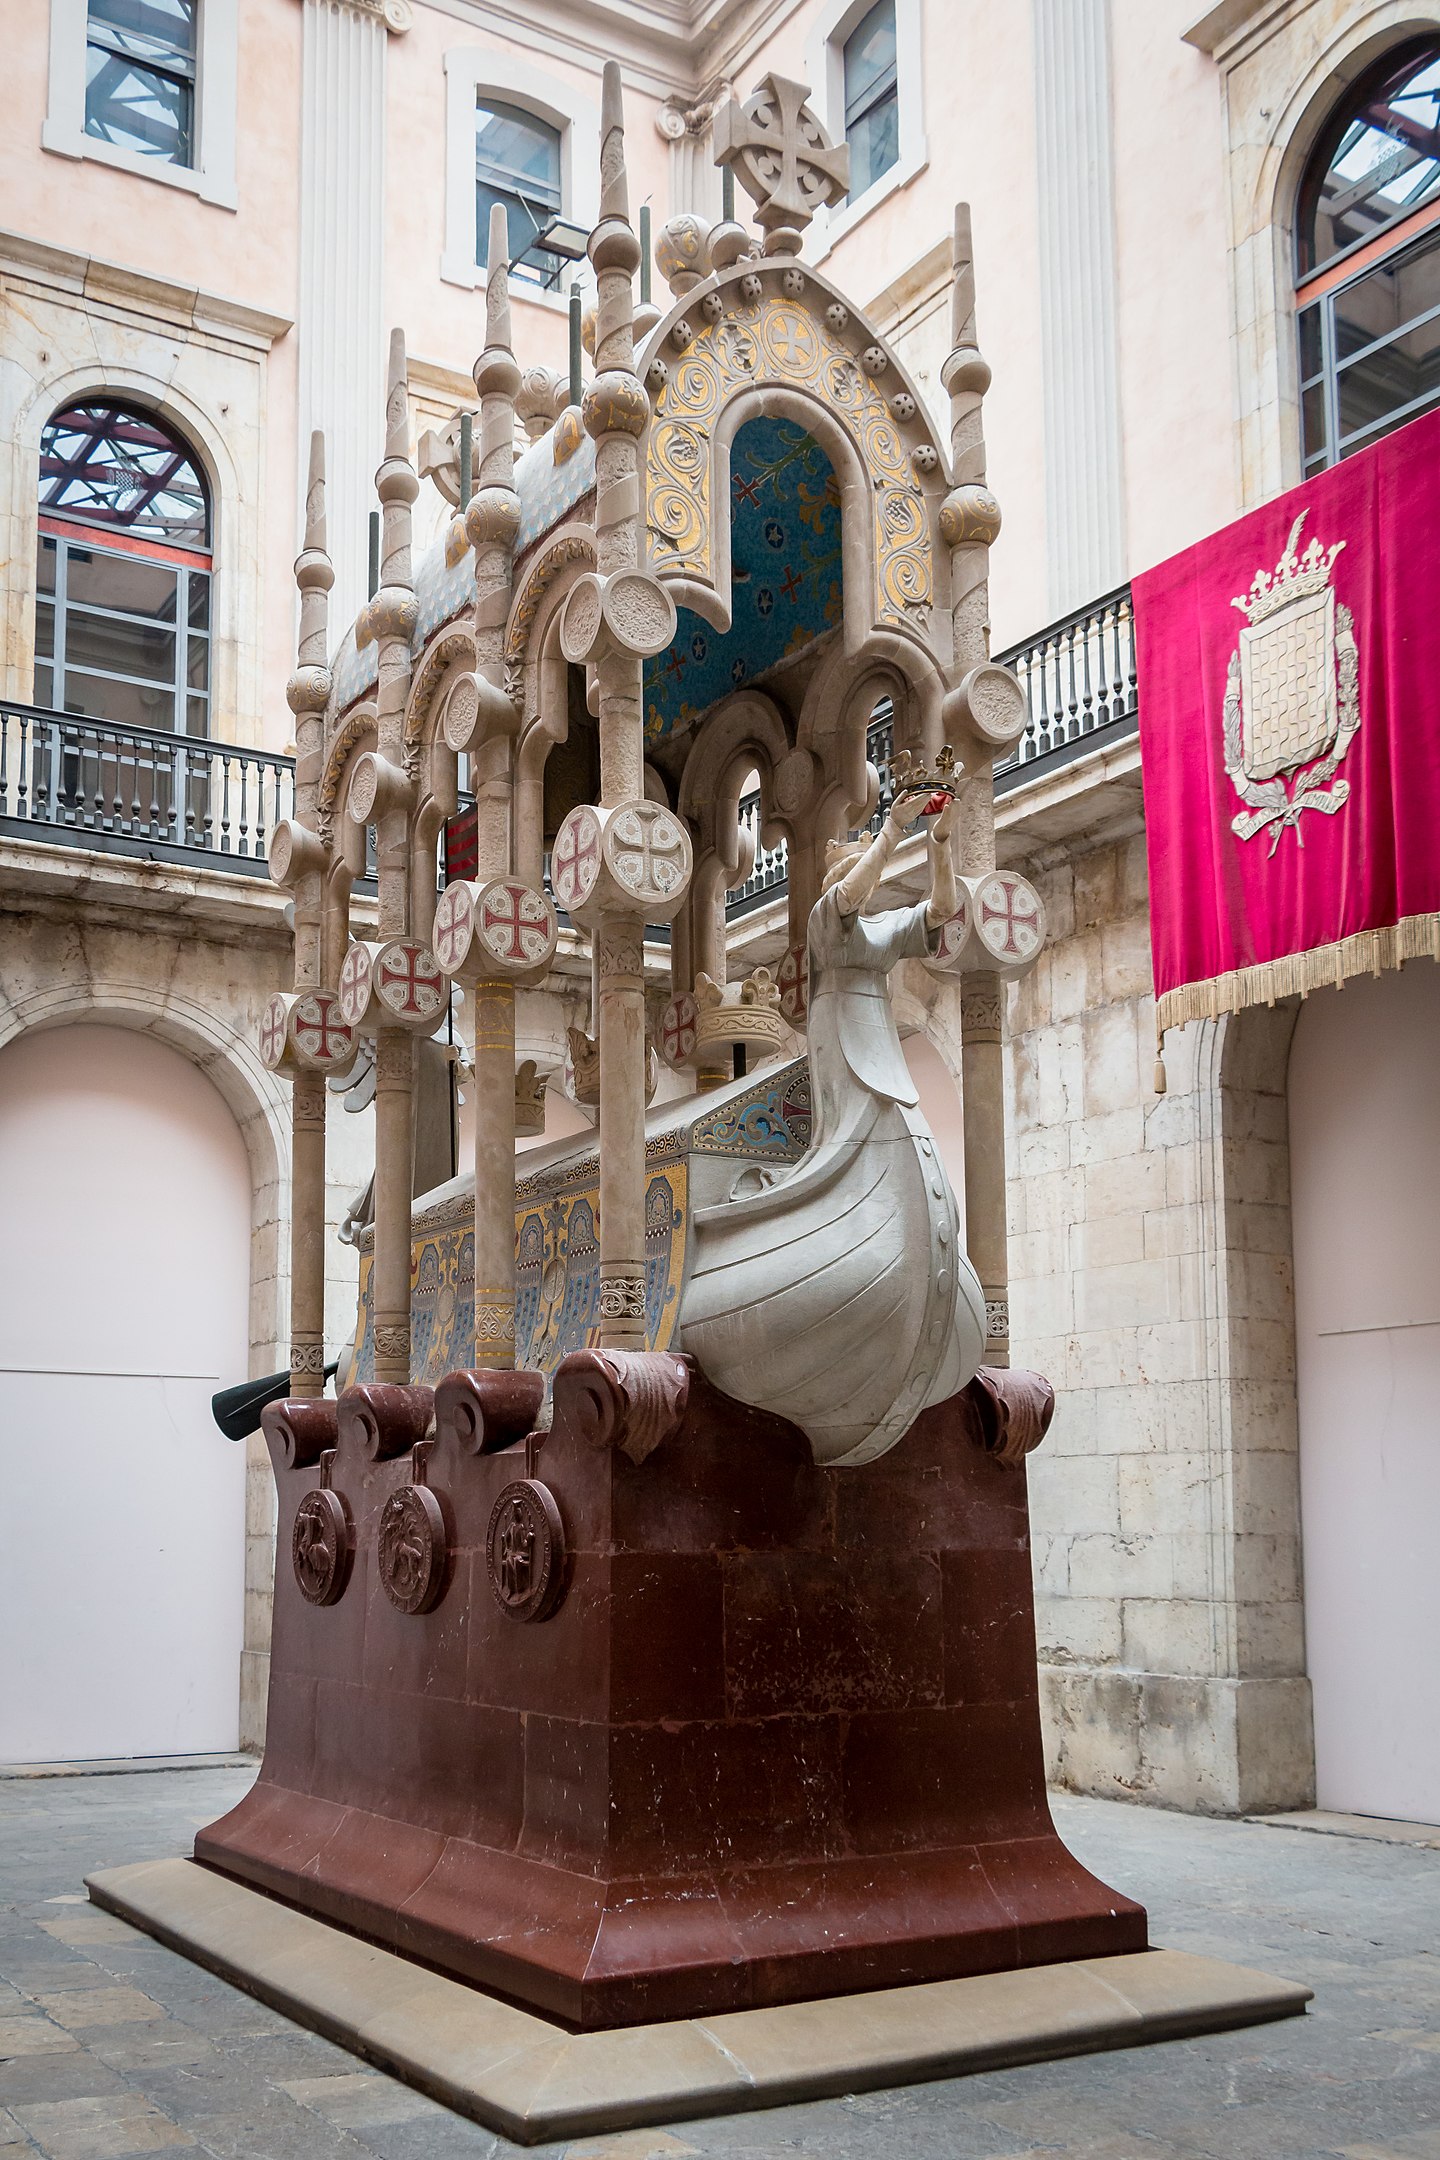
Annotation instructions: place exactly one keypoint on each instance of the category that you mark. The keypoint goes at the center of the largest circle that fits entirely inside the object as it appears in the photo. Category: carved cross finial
(785, 160)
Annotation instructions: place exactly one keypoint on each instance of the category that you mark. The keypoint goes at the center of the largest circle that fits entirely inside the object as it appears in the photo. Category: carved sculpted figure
(840, 1296)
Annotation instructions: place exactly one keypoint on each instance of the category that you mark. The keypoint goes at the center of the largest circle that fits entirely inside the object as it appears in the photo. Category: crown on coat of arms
(1294, 577)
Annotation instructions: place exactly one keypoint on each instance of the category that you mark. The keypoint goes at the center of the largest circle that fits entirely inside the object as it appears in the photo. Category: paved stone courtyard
(110, 2045)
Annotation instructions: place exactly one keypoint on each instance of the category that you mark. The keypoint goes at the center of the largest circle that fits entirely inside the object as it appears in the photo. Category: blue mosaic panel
(785, 557)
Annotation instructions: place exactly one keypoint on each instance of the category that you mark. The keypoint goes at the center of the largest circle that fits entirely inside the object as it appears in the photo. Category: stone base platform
(534, 2081)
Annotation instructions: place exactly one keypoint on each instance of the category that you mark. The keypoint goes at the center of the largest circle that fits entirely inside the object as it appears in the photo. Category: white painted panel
(124, 1267)
(1365, 1199)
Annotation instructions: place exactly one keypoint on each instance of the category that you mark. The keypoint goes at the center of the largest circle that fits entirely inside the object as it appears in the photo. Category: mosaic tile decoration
(786, 586)
(443, 590)
(557, 1246)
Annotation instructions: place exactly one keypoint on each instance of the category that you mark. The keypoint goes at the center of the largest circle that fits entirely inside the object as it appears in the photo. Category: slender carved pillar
(620, 1030)
(307, 694)
(983, 714)
(493, 521)
(385, 791)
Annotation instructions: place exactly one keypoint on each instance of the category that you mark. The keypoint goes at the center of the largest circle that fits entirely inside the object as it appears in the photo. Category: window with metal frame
(140, 76)
(1368, 260)
(122, 610)
(872, 102)
(517, 162)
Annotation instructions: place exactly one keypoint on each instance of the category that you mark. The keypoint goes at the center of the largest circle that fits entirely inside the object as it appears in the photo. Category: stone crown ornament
(945, 777)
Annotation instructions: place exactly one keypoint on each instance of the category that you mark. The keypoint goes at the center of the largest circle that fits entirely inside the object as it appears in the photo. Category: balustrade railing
(1079, 682)
(139, 791)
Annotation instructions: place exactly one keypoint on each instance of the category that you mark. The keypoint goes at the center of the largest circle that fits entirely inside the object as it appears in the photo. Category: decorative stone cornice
(396, 15)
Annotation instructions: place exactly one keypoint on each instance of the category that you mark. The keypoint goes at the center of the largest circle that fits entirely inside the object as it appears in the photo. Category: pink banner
(1289, 683)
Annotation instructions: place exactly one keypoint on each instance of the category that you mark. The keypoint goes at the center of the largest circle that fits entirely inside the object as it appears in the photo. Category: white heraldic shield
(1291, 700)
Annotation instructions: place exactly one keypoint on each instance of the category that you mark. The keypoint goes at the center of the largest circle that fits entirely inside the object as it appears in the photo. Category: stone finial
(397, 400)
(785, 160)
(614, 185)
(497, 377)
(314, 577)
(535, 401)
(682, 252)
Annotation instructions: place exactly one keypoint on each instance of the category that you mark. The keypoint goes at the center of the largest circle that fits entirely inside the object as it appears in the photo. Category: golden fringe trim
(1368, 952)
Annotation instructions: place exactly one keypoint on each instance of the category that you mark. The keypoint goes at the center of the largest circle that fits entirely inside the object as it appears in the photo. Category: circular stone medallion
(454, 925)
(525, 1551)
(516, 925)
(677, 1030)
(575, 858)
(954, 938)
(320, 1036)
(1009, 919)
(322, 1546)
(274, 1031)
(409, 982)
(413, 1549)
(356, 976)
(794, 981)
(648, 851)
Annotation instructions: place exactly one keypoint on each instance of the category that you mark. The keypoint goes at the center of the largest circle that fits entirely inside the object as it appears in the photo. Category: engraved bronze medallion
(413, 1549)
(525, 1551)
(322, 1546)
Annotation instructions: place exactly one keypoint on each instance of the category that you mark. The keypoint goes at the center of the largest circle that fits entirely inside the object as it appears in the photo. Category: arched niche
(808, 358)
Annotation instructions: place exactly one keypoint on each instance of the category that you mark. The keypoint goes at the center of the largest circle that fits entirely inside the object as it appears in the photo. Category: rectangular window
(1370, 354)
(517, 163)
(140, 76)
(872, 103)
(108, 639)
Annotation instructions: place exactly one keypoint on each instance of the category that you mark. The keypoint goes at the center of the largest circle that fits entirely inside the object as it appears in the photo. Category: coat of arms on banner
(1291, 697)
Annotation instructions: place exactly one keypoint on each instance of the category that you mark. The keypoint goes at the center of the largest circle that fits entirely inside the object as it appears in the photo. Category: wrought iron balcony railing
(138, 791)
(1079, 682)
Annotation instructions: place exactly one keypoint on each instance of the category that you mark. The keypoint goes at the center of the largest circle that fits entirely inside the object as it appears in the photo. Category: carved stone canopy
(785, 160)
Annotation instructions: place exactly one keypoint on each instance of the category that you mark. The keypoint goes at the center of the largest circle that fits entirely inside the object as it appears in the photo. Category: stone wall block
(1107, 1136)
(1130, 1185)
(1036, 1153)
(1115, 1567)
(1125, 1296)
(1073, 1497)
(1055, 1199)
(1173, 1350)
(1076, 975)
(1275, 1745)
(1079, 1631)
(1112, 1059)
(1125, 970)
(1164, 1491)
(1092, 1730)
(1172, 1230)
(1169, 1635)
(1098, 881)
(1270, 1639)
(1105, 1241)
(1129, 1421)
(1043, 1305)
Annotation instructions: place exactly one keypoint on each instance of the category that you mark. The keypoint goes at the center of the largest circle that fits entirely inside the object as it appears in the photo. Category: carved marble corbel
(482, 1412)
(383, 1421)
(628, 1399)
(629, 612)
(298, 1431)
(1014, 1409)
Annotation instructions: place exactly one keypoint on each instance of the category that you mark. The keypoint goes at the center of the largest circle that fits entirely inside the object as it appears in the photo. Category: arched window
(1368, 259)
(122, 611)
(517, 162)
(872, 103)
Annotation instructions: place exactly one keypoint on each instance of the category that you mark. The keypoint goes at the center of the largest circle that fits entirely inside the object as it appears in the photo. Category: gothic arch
(792, 355)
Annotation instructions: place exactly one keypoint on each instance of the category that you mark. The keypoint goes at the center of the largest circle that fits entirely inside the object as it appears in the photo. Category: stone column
(340, 336)
(615, 411)
(391, 617)
(969, 522)
(307, 693)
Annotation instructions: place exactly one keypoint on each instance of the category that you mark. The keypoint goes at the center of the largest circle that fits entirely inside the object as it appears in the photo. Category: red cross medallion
(321, 1036)
(515, 925)
(1010, 922)
(454, 924)
(794, 981)
(353, 995)
(409, 981)
(677, 1030)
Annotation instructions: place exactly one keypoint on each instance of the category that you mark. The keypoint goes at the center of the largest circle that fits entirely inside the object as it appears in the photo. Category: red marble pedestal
(779, 1737)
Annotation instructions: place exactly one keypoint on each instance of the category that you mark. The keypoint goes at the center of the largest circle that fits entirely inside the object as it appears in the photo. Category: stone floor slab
(101, 2129)
(533, 2081)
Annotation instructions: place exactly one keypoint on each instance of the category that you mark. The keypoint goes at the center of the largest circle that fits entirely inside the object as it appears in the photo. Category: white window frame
(825, 66)
(470, 71)
(212, 176)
